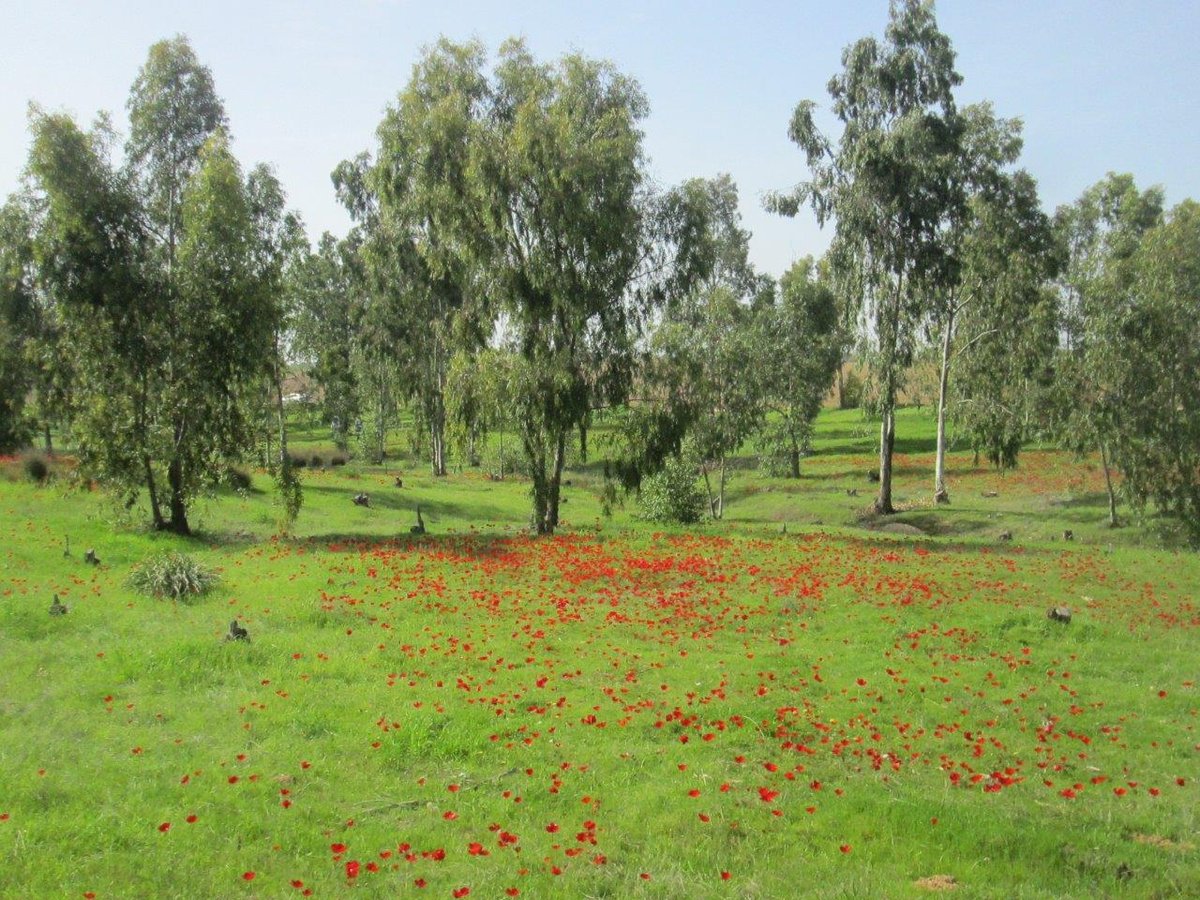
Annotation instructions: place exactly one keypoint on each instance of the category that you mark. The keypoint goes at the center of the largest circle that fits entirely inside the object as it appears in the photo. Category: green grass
(476, 686)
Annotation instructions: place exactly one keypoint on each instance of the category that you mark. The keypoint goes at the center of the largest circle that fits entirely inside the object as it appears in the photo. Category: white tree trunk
(940, 493)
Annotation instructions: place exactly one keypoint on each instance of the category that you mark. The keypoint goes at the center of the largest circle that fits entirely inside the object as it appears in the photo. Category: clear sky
(1099, 85)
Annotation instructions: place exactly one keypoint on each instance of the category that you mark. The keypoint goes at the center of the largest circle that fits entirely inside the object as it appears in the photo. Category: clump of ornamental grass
(172, 574)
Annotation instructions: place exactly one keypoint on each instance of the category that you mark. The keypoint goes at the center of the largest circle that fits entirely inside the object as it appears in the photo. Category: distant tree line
(514, 277)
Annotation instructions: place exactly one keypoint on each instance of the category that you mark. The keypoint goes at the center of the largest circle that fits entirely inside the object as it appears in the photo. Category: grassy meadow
(791, 702)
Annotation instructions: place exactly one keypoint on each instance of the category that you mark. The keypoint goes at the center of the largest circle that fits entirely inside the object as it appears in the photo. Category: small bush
(854, 391)
(338, 460)
(238, 480)
(317, 461)
(289, 496)
(672, 495)
(36, 468)
(298, 462)
(171, 574)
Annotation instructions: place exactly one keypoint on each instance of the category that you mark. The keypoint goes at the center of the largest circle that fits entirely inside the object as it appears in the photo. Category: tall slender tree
(323, 286)
(416, 268)
(800, 341)
(1102, 231)
(1152, 372)
(1005, 318)
(890, 184)
(19, 321)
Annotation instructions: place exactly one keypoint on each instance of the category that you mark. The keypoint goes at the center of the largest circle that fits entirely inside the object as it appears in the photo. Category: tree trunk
(721, 492)
(178, 522)
(940, 493)
(712, 501)
(381, 421)
(794, 458)
(155, 509)
(437, 414)
(541, 491)
(49, 442)
(1112, 496)
(554, 488)
(281, 416)
(437, 456)
(841, 385)
(887, 443)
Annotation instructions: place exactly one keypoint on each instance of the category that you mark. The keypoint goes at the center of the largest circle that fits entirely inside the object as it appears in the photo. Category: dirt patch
(937, 883)
(1157, 840)
(900, 528)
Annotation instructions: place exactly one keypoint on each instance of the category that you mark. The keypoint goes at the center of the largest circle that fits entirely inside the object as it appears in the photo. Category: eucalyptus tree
(890, 184)
(224, 321)
(479, 404)
(1152, 374)
(173, 111)
(1102, 231)
(279, 247)
(519, 194)
(323, 286)
(1005, 319)
(698, 376)
(19, 321)
(799, 345)
(408, 204)
(166, 276)
(91, 253)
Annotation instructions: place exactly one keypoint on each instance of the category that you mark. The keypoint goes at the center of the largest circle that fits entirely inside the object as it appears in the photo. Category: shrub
(317, 461)
(289, 496)
(338, 460)
(855, 391)
(298, 462)
(171, 574)
(36, 468)
(671, 495)
(238, 480)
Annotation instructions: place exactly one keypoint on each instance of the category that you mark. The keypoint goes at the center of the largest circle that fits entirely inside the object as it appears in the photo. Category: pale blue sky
(1100, 85)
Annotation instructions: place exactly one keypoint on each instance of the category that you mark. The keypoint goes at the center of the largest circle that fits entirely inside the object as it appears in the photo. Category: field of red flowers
(627, 715)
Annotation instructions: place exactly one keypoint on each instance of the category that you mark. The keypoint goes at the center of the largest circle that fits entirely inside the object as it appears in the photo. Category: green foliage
(701, 377)
(172, 575)
(18, 319)
(1007, 319)
(165, 277)
(1102, 231)
(289, 497)
(323, 287)
(672, 494)
(798, 345)
(1155, 389)
(519, 193)
(853, 389)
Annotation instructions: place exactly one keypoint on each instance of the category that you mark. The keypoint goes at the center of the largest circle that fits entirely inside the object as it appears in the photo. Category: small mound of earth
(900, 528)
(937, 883)
(1157, 840)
